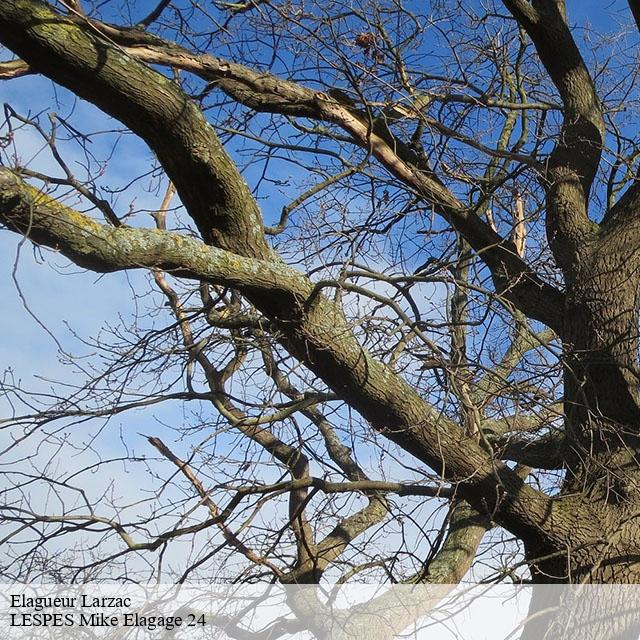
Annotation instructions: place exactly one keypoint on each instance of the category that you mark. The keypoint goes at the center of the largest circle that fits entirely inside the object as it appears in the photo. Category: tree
(451, 287)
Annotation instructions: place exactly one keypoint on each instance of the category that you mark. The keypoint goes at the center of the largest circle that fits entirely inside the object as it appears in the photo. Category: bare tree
(441, 314)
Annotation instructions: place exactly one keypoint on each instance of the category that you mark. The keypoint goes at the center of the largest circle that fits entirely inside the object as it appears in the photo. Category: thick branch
(397, 608)
(264, 92)
(576, 156)
(519, 423)
(73, 53)
(512, 276)
(467, 527)
(14, 69)
(104, 249)
(544, 453)
(313, 329)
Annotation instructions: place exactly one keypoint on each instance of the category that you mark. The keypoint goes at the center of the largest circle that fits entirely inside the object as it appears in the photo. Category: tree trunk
(581, 612)
(602, 418)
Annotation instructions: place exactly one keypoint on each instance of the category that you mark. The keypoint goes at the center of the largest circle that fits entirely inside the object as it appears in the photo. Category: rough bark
(313, 328)
(600, 319)
(267, 93)
(589, 533)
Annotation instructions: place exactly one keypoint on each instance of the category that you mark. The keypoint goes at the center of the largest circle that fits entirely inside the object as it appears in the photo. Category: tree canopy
(386, 296)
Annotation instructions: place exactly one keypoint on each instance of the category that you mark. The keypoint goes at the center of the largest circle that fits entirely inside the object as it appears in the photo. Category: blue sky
(77, 302)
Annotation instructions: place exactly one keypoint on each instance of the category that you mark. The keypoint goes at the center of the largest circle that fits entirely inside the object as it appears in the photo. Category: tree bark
(589, 533)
